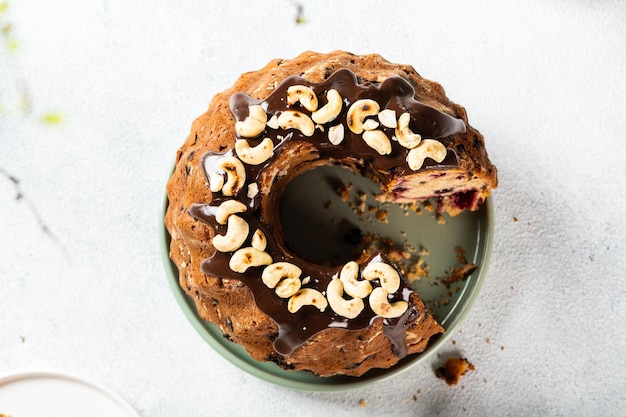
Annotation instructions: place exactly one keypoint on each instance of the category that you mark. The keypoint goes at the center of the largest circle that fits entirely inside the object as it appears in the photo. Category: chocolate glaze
(394, 93)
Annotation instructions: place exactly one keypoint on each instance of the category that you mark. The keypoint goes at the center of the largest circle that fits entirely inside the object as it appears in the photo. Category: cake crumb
(22, 339)
(458, 274)
(453, 370)
(382, 216)
(344, 192)
(460, 255)
(362, 403)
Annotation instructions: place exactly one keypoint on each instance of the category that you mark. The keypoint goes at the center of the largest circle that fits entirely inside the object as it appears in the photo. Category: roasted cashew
(216, 182)
(428, 148)
(406, 137)
(304, 95)
(274, 273)
(254, 155)
(377, 140)
(287, 287)
(273, 122)
(389, 277)
(370, 124)
(259, 241)
(236, 234)
(293, 119)
(358, 111)
(235, 172)
(381, 306)
(307, 296)
(345, 308)
(351, 285)
(227, 208)
(248, 257)
(330, 110)
(253, 190)
(387, 118)
(254, 124)
(336, 134)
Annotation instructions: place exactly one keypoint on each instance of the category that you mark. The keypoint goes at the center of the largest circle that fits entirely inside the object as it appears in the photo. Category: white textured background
(544, 81)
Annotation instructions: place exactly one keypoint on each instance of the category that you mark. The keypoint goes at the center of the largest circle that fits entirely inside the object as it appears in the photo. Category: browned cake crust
(230, 303)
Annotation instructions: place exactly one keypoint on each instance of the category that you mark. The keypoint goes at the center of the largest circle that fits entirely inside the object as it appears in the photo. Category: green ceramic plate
(331, 217)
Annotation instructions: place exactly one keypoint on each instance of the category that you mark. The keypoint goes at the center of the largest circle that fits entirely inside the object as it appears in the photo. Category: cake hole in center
(317, 215)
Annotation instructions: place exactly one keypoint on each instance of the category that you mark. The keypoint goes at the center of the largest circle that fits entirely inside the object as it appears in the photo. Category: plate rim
(324, 384)
(13, 376)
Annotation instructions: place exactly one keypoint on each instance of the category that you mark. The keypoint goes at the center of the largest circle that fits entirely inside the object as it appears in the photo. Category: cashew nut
(381, 306)
(253, 190)
(346, 308)
(227, 208)
(254, 155)
(351, 285)
(335, 134)
(254, 124)
(389, 277)
(236, 234)
(235, 172)
(370, 124)
(296, 120)
(387, 118)
(428, 148)
(287, 287)
(302, 94)
(273, 122)
(248, 257)
(278, 271)
(330, 110)
(259, 241)
(377, 140)
(406, 137)
(358, 111)
(216, 182)
(307, 296)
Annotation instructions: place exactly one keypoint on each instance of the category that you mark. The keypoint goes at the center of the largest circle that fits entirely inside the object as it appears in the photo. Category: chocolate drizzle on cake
(396, 94)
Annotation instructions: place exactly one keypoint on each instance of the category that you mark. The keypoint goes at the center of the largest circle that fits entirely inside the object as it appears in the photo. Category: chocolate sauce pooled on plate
(394, 93)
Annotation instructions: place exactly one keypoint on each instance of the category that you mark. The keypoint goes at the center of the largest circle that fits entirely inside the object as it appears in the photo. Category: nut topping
(351, 285)
(254, 155)
(330, 110)
(278, 271)
(307, 296)
(335, 134)
(293, 119)
(227, 208)
(287, 287)
(389, 277)
(235, 172)
(346, 308)
(387, 118)
(248, 257)
(358, 111)
(381, 306)
(259, 241)
(236, 234)
(304, 95)
(404, 134)
(254, 124)
(377, 140)
(428, 148)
